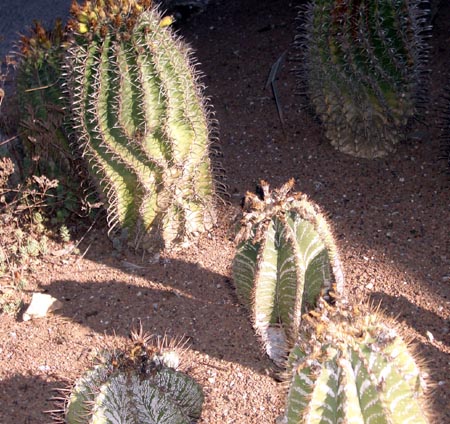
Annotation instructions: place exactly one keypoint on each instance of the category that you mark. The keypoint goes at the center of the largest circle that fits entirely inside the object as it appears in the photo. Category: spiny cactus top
(134, 386)
(351, 366)
(363, 64)
(142, 122)
(286, 259)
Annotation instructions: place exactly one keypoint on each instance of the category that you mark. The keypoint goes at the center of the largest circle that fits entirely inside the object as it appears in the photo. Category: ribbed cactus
(362, 67)
(142, 122)
(137, 385)
(286, 259)
(349, 366)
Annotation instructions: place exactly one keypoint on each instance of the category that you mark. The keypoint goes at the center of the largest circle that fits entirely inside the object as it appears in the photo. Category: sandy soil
(390, 216)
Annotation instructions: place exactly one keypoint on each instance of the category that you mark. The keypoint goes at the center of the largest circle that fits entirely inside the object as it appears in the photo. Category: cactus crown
(349, 365)
(135, 385)
(97, 17)
(286, 259)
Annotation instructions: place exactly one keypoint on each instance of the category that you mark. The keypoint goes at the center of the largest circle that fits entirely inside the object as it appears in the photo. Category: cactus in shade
(286, 259)
(349, 365)
(42, 117)
(363, 70)
(143, 124)
(137, 385)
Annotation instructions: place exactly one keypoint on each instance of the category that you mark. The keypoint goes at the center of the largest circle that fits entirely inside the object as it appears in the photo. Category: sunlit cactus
(362, 67)
(139, 384)
(286, 259)
(351, 366)
(142, 122)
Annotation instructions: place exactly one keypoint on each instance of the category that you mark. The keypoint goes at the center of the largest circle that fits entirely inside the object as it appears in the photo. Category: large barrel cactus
(363, 70)
(350, 366)
(286, 259)
(141, 121)
(137, 385)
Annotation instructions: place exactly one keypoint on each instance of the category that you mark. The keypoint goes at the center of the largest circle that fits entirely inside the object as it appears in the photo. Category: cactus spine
(143, 123)
(286, 259)
(350, 366)
(362, 65)
(137, 385)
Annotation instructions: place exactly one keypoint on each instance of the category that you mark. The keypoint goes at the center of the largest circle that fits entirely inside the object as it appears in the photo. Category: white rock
(41, 304)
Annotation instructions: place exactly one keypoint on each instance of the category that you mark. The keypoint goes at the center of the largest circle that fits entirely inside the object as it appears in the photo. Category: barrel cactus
(286, 259)
(137, 385)
(41, 110)
(363, 70)
(142, 122)
(350, 365)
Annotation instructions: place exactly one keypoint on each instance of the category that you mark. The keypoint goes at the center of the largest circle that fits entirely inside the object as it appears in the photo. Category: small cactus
(348, 365)
(286, 259)
(142, 122)
(137, 385)
(362, 67)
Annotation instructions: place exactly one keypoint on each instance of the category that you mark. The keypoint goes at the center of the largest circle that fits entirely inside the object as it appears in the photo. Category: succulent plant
(363, 67)
(286, 259)
(41, 109)
(137, 385)
(143, 124)
(349, 365)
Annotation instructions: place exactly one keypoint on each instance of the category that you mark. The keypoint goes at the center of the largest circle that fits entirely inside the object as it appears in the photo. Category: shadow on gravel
(176, 298)
(25, 398)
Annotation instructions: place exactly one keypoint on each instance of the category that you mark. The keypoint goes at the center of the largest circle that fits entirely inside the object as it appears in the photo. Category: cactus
(137, 385)
(286, 259)
(42, 118)
(142, 122)
(363, 70)
(351, 366)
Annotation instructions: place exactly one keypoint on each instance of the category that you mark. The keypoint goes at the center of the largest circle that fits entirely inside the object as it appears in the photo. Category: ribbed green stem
(349, 366)
(362, 65)
(286, 259)
(144, 124)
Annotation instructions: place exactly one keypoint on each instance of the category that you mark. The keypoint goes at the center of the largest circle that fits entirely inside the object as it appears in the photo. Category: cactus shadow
(24, 398)
(176, 298)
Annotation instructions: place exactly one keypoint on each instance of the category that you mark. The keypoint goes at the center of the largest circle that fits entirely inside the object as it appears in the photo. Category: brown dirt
(390, 216)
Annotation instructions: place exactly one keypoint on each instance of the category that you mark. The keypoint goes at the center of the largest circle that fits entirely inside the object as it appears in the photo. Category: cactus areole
(286, 259)
(142, 122)
(349, 366)
(363, 67)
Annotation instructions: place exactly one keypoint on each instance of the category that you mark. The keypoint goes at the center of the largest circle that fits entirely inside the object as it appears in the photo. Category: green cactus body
(42, 124)
(352, 368)
(143, 124)
(286, 258)
(363, 63)
(133, 387)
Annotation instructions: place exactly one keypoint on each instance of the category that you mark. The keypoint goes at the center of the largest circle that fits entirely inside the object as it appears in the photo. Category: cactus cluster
(139, 384)
(351, 366)
(142, 122)
(363, 70)
(286, 259)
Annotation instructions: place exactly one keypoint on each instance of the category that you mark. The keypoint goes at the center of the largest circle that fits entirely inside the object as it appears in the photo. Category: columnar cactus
(142, 122)
(350, 366)
(137, 385)
(286, 259)
(363, 67)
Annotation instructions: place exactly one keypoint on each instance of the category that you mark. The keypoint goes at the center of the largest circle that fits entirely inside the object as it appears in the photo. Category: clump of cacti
(286, 259)
(350, 365)
(142, 122)
(363, 70)
(137, 385)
